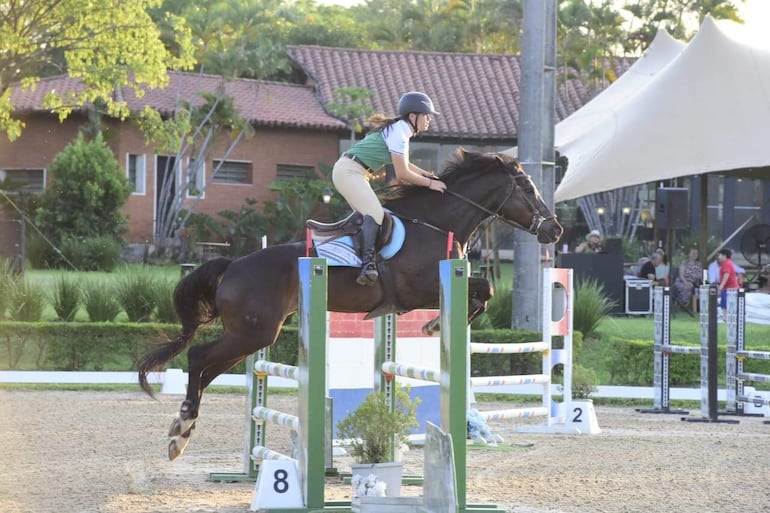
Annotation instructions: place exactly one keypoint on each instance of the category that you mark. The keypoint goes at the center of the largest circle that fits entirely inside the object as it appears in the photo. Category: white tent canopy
(679, 111)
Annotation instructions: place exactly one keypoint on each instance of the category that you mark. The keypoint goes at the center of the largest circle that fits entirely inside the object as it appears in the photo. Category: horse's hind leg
(206, 361)
(479, 292)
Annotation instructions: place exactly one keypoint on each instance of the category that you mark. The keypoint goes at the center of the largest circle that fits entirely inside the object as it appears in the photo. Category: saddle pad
(342, 253)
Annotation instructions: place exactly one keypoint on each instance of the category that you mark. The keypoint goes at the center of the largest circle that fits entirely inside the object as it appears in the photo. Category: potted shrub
(374, 433)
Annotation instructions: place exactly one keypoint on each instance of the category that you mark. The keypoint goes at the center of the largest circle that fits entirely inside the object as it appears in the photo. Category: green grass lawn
(684, 329)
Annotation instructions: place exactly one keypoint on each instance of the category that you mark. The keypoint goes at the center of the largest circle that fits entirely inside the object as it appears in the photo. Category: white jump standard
(739, 402)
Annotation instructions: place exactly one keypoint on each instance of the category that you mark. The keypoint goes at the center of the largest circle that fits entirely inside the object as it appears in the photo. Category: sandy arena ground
(74, 452)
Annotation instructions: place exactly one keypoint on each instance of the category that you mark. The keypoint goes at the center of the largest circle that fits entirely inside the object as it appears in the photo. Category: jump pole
(707, 350)
(452, 376)
(662, 350)
(709, 364)
(736, 355)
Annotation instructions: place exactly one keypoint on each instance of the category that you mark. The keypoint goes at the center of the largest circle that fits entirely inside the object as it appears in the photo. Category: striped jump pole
(557, 309)
(310, 423)
(452, 375)
(663, 349)
(709, 362)
(737, 354)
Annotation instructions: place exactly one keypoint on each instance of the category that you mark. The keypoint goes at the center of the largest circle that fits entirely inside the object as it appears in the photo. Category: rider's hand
(436, 185)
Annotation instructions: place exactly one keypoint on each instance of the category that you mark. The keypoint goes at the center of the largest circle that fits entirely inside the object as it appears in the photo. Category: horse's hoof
(180, 426)
(177, 445)
(431, 328)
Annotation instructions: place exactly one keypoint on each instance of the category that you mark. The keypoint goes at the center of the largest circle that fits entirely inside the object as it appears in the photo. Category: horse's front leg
(479, 293)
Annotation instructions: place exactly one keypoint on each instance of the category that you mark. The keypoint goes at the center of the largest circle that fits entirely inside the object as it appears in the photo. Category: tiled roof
(477, 94)
(262, 103)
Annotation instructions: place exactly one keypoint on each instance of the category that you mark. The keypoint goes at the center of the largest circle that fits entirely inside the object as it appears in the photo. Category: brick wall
(344, 325)
(44, 137)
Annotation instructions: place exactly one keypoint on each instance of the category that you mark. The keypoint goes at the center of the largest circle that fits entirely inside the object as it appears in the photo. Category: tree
(647, 16)
(103, 43)
(87, 192)
(353, 105)
(190, 134)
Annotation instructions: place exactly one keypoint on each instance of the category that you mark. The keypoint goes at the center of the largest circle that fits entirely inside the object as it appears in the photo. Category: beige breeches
(352, 181)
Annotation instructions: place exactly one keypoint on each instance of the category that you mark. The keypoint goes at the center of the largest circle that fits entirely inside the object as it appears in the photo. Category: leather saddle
(351, 226)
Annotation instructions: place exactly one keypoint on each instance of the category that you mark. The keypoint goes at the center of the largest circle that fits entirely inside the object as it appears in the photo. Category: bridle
(513, 185)
(537, 218)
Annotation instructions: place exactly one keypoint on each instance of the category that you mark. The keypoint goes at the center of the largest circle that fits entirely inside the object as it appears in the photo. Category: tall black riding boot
(369, 230)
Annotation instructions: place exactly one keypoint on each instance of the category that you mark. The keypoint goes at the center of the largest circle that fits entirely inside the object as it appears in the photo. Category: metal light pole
(535, 138)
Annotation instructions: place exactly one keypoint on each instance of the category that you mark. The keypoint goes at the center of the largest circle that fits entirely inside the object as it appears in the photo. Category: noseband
(537, 218)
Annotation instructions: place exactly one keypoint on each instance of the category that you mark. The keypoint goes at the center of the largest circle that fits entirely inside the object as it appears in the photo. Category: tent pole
(704, 220)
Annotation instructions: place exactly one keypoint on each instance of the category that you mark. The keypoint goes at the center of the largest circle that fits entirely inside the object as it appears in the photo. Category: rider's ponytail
(380, 121)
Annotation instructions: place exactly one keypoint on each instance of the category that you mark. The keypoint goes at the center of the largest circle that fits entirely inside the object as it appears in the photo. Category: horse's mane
(458, 166)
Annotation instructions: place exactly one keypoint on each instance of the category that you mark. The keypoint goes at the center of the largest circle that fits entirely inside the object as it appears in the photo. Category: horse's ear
(462, 153)
(499, 159)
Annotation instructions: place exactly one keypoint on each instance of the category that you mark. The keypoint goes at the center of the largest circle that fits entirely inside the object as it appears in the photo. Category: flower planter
(389, 472)
(386, 504)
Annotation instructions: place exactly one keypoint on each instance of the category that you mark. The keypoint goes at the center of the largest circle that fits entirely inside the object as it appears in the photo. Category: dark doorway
(165, 188)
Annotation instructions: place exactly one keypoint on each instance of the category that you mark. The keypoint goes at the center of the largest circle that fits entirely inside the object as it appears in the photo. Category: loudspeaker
(613, 246)
(607, 270)
(671, 212)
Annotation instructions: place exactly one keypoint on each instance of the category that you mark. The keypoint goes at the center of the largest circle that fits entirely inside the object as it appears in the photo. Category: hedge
(104, 346)
(117, 346)
(630, 362)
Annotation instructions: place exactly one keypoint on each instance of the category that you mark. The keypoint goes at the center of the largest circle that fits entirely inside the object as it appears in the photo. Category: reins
(537, 219)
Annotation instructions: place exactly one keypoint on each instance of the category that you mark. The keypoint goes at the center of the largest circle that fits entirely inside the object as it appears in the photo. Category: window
(231, 172)
(23, 180)
(136, 166)
(196, 173)
(288, 171)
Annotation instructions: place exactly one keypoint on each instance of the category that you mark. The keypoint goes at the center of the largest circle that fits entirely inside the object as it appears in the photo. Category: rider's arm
(405, 174)
(420, 171)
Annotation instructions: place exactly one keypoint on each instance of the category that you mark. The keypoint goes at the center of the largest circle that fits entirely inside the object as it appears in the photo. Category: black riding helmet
(415, 101)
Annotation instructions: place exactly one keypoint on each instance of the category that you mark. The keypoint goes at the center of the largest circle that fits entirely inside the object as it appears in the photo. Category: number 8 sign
(277, 486)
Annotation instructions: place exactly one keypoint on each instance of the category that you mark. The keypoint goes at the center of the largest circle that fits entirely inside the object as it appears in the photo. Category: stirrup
(368, 275)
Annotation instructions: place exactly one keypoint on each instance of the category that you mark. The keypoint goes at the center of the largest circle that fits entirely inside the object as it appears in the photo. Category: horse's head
(517, 200)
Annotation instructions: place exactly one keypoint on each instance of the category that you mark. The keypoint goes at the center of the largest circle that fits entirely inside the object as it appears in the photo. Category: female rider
(388, 143)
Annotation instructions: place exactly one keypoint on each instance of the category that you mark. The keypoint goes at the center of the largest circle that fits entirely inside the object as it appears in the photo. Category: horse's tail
(195, 304)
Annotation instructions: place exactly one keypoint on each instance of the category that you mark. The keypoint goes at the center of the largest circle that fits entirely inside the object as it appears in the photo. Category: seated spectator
(648, 270)
(689, 278)
(663, 270)
(592, 244)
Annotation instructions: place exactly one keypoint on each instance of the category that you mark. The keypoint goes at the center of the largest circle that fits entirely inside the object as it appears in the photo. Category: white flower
(378, 490)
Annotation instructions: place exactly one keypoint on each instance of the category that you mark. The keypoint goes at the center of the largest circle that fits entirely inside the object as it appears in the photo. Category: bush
(100, 253)
(84, 200)
(584, 382)
(591, 306)
(27, 301)
(375, 430)
(138, 295)
(499, 314)
(8, 280)
(65, 298)
(87, 192)
(100, 302)
(164, 298)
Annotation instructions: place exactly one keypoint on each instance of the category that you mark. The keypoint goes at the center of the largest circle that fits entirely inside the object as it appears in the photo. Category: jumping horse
(255, 294)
